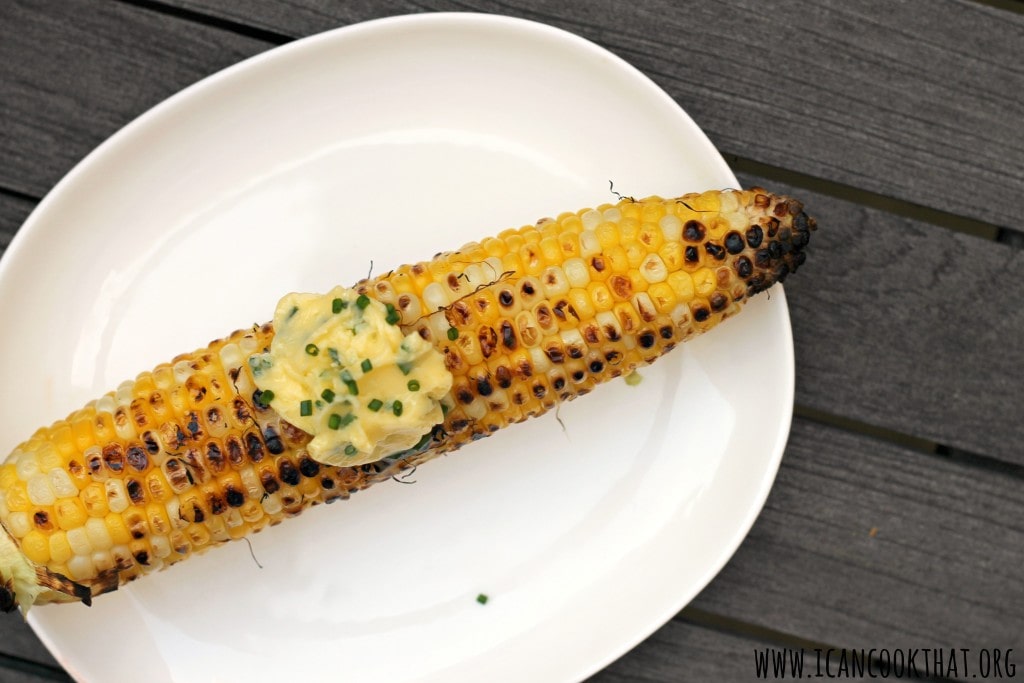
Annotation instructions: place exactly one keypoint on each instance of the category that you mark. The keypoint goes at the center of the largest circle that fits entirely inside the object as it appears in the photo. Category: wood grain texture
(918, 105)
(863, 543)
(13, 212)
(911, 327)
(71, 78)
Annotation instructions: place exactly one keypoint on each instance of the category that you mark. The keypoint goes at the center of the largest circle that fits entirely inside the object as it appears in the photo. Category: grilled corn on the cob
(187, 456)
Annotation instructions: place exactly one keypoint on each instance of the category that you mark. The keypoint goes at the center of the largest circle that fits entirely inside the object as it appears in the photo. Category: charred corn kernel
(184, 457)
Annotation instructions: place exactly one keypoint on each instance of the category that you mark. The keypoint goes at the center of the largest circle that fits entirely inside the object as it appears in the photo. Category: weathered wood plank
(911, 327)
(863, 543)
(71, 78)
(920, 106)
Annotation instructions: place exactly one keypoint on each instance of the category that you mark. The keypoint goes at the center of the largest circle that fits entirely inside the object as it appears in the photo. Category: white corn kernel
(475, 410)
(251, 483)
(609, 323)
(233, 518)
(248, 345)
(576, 272)
(272, 504)
(117, 495)
(653, 269)
(493, 268)
(103, 560)
(680, 315)
(182, 371)
(28, 464)
(572, 339)
(671, 228)
(78, 541)
(612, 215)
(80, 567)
(125, 393)
(231, 356)
(590, 245)
(435, 296)
(591, 219)
(99, 535)
(161, 546)
(474, 276)
(40, 492)
(18, 524)
(645, 307)
(540, 361)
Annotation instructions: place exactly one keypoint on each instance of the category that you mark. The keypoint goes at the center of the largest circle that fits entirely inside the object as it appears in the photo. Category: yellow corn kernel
(69, 513)
(663, 296)
(117, 528)
(60, 550)
(704, 281)
(94, 499)
(682, 284)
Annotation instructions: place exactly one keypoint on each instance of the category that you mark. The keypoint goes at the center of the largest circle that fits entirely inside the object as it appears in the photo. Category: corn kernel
(60, 549)
(62, 484)
(682, 284)
(704, 281)
(19, 524)
(117, 528)
(582, 304)
(80, 568)
(69, 513)
(94, 498)
(663, 296)
(99, 536)
(40, 492)
(78, 540)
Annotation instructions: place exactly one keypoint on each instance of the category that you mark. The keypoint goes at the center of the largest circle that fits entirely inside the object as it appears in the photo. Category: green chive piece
(366, 365)
(393, 316)
(348, 419)
(350, 450)
(338, 305)
(375, 405)
(334, 421)
(413, 385)
(482, 599)
(291, 313)
(444, 409)
(306, 408)
(327, 395)
(396, 408)
(353, 388)
(406, 368)
(363, 301)
(265, 398)
(453, 334)
(333, 353)
(312, 349)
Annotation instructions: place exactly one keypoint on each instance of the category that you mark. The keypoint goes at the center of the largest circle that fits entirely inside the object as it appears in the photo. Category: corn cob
(186, 457)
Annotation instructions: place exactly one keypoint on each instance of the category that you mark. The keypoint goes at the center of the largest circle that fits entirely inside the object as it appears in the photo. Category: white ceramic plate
(389, 141)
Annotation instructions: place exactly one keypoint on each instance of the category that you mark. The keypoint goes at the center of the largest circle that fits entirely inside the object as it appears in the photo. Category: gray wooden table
(896, 518)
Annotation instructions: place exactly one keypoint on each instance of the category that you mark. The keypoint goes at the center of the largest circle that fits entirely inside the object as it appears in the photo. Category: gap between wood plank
(898, 207)
(961, 456)
(1007, 5)
(213, 22)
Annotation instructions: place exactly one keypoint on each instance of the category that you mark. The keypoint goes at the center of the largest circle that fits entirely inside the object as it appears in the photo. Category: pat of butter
(341, 369)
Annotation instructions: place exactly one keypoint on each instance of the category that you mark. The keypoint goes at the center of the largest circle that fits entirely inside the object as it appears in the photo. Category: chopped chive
(350, 450)
(406, 368)
(338, 305)
(265, 398)
(366, 365)
(319, 404)
(333, 353)
(291, 313)
(393, 316)
(375, 405)
(334, 421)
(346, 377)
(327, 395)
(396, 408)
(444, 408)
(413, 385)
(347, 419)
(363, 301)
(482, 599)
(453, 334)
(306, 408)
(312, 349)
